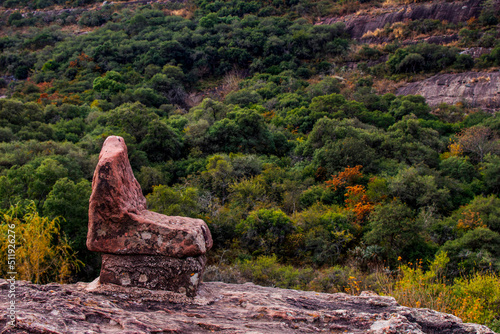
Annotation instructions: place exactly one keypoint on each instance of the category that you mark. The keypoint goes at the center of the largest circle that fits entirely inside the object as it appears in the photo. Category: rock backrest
(114, 186)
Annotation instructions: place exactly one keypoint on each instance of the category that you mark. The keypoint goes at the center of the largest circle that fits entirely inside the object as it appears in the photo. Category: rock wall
(478, 89)
(457, 11)
(219, 307)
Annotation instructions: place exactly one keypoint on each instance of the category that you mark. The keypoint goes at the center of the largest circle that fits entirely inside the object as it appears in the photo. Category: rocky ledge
(455, 11)
(478, 89)
(218, 307)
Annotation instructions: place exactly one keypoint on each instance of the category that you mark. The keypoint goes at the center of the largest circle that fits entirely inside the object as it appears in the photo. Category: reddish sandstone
(119, 222)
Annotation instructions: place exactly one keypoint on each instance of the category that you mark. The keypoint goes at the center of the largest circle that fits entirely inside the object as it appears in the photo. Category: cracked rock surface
(479, 89)
(358, 24)
(141, 248)
(119, 222)
(218, 307)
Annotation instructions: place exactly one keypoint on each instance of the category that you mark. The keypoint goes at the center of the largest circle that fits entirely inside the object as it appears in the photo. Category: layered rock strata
(476, 89)
(359, 24)
(141, 248)
(218, 307)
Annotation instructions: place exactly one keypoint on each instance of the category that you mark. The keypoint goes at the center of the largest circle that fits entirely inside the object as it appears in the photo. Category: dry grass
(77, 30)
(383, 86)
(374, 34)
(315, 79)
(186, 13)
(230, 83)
(390, 3)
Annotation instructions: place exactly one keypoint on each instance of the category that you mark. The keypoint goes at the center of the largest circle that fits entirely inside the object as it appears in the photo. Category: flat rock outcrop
(478, 89)
(86, 308)
(457, 11)
(140, 247)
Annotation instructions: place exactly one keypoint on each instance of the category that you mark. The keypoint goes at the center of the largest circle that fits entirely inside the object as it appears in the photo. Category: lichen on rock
(218, 307)
(140, 247)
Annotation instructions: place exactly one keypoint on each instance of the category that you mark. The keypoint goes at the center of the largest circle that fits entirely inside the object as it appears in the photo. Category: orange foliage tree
(357, 201)
(470, 221)
(80, 60)
(349, 176)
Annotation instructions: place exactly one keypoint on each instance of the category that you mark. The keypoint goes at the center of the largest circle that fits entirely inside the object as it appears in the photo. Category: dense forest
(311, 174)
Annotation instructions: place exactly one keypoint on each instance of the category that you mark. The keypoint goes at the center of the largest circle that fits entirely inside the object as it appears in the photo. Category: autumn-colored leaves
(356, 199)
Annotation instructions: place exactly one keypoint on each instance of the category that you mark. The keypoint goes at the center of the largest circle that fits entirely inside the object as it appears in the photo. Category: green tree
(326, 234)
(247, 194)
(169, 87)
(219, 176)
(161, 142)
(265, 232)
(210, 110)
(486, 207)
(243, 131)
(328, 103)
(70, 201)
(419, 189)
(490, 170)
(108, 85)
(44, 178)
(174, 201)
(478, 249)
(458, 168)
(394, 227)
(151, 176)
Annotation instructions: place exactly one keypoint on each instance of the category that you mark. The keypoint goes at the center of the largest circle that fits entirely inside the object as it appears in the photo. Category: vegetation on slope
(244, 114)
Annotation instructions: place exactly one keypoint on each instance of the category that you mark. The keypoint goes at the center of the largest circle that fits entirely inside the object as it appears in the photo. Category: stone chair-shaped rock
(141, 248)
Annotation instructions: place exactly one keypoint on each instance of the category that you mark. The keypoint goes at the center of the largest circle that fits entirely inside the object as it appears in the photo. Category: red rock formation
(120, 224)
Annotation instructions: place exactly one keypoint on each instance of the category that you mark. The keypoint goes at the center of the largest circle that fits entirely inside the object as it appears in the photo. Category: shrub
(42, 254)
(464, 62)
(15, 19)
(265, 231)
(265, 270)
(474, 298)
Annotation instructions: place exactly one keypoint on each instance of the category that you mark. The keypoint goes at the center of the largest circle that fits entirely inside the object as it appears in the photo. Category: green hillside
(285, 135)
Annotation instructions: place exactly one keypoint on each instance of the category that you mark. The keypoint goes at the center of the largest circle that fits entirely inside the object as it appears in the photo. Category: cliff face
(478, 89)
(358, 24)
(224, 308)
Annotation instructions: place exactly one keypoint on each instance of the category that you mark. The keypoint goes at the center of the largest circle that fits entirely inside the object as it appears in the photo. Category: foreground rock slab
(140, 247)
(85, 308)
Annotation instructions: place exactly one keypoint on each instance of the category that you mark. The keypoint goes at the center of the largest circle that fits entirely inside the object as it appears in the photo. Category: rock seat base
(154, 272)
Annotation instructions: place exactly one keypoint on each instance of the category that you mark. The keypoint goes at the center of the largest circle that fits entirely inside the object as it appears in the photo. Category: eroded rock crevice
(476, 89)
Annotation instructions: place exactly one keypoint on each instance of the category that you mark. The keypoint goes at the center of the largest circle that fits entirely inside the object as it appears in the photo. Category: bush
(474, 298)
(265, 270)
(421, 57)
(21, 72)
(43, 254)
(243, 97)
(464, 62)
(15, 19)
(266, 232)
